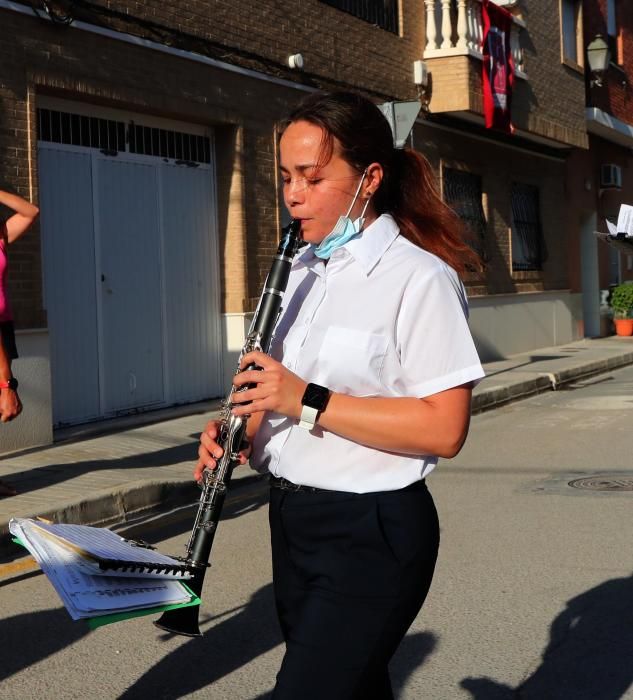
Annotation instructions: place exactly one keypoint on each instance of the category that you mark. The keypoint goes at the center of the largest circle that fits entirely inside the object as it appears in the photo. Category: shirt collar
(367, 248)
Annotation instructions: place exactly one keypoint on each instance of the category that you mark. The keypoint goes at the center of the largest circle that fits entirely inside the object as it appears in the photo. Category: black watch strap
(314, 401)
(12, 384)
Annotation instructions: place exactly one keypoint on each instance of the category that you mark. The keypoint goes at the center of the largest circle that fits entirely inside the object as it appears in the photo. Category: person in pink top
(10, 230)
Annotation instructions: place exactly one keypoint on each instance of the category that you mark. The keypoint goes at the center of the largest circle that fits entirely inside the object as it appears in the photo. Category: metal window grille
(528, 245)
(462, 192)
(110, 135)
(79, 130)
(164, 143)
(383, 13)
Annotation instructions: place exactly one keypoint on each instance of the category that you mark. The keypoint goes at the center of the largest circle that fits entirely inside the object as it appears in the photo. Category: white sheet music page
(103, 544)
(625, 221)
(85, 595)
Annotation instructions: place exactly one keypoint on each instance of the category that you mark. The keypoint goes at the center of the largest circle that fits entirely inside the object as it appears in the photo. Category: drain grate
(603, 482)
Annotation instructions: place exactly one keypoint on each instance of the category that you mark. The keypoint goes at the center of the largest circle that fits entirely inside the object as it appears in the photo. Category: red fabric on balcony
(498, 67)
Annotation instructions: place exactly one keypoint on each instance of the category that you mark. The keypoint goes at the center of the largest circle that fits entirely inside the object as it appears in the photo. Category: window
(383, 13)
(462, 192)
(528, 244)
(571, 33)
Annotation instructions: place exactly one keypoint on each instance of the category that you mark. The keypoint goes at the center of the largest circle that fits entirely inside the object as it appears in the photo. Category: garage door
(130, 263)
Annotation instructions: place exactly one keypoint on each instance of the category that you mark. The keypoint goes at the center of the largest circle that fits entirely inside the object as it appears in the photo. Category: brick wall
(338, 48)
(616, 94)
(498, 168)
(551, 102)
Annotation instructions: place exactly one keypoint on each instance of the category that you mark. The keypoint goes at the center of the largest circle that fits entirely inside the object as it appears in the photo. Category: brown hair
(408, 191)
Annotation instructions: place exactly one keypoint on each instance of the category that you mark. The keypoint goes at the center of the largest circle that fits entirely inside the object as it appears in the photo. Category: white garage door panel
(130, 258)
(190, 261)
(129, 275)
(69, 290)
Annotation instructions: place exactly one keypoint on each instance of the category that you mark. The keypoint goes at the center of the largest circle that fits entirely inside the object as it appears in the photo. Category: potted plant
(622, 304)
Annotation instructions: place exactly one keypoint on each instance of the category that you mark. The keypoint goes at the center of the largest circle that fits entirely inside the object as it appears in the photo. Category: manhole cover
(603, 482)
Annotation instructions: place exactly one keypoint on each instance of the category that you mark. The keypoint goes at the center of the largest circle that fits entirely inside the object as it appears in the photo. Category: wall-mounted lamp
(296, 61)
(598, 56)
(420, 73)
(421, 78)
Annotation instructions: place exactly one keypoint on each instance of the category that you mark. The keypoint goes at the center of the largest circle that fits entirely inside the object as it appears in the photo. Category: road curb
(493, 397)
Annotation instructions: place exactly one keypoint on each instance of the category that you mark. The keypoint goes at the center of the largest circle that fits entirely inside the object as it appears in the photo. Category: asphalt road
(532, 596)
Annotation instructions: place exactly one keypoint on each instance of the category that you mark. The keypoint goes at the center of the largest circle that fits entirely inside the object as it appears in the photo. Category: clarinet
(231, 433)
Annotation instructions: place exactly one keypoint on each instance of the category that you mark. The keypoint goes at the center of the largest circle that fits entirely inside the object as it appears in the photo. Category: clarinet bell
(183, 621)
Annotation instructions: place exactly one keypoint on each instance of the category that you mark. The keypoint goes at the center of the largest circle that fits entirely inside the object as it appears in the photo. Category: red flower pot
(623, 326)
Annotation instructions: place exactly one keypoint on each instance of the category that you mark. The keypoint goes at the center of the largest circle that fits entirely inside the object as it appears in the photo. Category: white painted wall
(507, 324)
(33, 427)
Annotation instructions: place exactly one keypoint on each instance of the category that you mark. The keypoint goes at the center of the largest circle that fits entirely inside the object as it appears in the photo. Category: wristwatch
(12, 384)
(314, 401)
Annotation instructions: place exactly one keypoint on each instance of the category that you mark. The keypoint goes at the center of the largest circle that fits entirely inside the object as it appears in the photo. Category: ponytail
(410, 195)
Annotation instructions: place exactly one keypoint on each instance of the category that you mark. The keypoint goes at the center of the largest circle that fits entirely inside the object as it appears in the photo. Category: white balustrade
(461, 31)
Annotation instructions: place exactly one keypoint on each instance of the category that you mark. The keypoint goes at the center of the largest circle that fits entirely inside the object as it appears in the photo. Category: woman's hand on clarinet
(275, 388)
(209, 451)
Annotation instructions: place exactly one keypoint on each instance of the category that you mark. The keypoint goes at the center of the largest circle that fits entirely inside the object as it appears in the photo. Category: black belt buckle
(278, 482)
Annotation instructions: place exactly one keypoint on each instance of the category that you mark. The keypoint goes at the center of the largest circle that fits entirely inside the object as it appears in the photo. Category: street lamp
(598, 56)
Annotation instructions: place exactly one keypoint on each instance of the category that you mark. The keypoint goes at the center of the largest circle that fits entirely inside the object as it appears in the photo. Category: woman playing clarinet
(368, 383)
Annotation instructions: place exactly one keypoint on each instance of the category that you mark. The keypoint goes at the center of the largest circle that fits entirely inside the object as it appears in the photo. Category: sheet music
(624, 227)
(103, 544)
(625, 220)
(85, 595)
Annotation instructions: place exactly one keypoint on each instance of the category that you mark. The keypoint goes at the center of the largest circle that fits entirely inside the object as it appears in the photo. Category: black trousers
(350, 574)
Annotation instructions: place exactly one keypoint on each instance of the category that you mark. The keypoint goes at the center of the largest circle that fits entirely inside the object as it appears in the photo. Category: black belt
(278, 482)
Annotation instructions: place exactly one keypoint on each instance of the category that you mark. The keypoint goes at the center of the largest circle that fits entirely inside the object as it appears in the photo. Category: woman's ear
(373, 177)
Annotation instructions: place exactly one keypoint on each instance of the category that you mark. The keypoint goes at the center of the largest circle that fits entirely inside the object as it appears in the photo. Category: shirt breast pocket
(351, 361)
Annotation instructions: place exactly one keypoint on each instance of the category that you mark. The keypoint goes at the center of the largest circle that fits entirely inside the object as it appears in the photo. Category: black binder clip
(138, 543)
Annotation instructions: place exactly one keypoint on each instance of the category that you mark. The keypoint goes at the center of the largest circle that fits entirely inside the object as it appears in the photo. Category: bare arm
(434, 425)
(25, 215)
(10, 404)
(5, 364)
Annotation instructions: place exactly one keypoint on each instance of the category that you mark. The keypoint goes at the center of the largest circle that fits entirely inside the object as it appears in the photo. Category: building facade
(600, 178)
(148, 139)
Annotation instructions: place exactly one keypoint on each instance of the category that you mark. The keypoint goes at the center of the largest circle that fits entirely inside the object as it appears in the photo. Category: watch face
(13, 383)
(315, 396)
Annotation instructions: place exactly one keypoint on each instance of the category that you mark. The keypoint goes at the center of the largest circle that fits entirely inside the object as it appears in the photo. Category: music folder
(100, 576)
(102, 550)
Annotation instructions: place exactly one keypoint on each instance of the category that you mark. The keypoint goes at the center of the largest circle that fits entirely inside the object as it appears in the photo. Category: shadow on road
(234, 642)
(31, 637)
(226, 646)
(589, 654)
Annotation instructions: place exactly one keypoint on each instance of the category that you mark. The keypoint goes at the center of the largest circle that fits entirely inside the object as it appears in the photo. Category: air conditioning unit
(610, 176)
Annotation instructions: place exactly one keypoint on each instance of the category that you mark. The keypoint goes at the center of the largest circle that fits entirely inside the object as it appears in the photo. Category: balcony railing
(455, 28)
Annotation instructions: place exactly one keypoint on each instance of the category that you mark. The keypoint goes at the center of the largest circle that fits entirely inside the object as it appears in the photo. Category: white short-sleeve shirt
(382, 318)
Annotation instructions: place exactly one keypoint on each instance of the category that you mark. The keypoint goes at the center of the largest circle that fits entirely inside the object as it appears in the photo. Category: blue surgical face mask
(344, 230)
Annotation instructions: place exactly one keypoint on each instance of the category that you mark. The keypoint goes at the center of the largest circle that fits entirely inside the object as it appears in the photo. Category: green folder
(100, 620)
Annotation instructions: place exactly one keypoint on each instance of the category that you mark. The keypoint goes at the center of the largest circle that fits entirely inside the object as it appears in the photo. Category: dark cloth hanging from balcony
(498, 67)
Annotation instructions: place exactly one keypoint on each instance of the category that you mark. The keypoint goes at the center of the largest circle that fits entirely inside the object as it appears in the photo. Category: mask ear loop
(360, 184)
(361, 218)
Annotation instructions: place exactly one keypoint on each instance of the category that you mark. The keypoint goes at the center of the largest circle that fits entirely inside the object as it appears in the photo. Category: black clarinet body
(232, 430)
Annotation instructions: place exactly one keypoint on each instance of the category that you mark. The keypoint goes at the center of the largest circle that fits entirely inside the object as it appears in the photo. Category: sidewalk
(115, 477)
